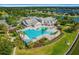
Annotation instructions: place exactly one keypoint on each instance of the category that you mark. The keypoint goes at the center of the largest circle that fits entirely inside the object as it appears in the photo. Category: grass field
(56, 48)
(75, 50)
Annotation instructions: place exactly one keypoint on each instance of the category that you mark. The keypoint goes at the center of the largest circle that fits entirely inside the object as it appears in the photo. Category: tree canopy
(6, 46)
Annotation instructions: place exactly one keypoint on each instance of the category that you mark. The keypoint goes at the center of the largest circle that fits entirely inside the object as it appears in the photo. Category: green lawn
(56, 48)
(76, 48)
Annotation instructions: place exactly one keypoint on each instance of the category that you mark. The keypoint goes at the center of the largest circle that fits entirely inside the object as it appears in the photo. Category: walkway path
(14, 51)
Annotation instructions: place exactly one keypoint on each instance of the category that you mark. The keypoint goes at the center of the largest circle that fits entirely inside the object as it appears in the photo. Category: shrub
(69, 29)
(39, 43)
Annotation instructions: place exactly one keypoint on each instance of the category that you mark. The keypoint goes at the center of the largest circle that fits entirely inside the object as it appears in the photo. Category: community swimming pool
(32, 34)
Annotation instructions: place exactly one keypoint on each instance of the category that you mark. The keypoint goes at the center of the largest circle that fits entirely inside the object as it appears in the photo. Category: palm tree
(43, 29)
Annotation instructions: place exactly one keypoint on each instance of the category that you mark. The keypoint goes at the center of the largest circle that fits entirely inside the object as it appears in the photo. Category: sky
(39, 5)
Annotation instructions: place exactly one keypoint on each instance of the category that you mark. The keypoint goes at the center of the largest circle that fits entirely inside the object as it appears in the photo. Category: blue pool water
(31, 33)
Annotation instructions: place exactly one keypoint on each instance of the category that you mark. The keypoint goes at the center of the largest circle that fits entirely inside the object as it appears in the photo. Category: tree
(6, 46)
(11, 20)
(3, 28)
(69, 29)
